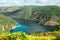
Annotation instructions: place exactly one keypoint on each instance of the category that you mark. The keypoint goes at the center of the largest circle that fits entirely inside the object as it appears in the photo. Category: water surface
(31, 27)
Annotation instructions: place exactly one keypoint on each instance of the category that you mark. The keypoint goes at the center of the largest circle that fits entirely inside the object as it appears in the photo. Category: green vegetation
(24, 36)
(46, 15)
(6, 23)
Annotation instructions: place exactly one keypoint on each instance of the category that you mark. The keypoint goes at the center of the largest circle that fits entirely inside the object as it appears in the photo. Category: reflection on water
(31, 27)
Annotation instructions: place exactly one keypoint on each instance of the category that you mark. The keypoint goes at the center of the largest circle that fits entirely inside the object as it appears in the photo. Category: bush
(24, 36)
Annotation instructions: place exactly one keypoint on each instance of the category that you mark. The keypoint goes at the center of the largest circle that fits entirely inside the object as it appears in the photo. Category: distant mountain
(40, 14)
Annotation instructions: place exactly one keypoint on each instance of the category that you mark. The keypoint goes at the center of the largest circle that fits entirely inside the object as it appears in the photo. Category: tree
(6, 23)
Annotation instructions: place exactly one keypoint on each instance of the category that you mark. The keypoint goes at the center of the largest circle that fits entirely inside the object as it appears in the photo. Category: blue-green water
(32, 27)
(20, 27)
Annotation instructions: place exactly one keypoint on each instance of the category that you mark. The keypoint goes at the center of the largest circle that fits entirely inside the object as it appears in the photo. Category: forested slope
(6, 23)
(46, 15)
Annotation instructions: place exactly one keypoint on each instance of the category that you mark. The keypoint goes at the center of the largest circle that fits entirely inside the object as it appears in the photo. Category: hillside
(30, 23)
(6, 23)
(40, 14)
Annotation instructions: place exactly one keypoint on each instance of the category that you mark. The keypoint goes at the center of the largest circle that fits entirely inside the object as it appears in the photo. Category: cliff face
(39, 14)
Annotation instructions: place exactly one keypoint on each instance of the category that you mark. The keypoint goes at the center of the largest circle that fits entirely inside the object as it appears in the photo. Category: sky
(29, 2)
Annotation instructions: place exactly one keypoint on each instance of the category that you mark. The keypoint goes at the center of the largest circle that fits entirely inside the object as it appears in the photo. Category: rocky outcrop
(51, 23)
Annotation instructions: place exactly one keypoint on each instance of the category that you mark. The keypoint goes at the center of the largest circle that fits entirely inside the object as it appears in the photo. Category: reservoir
(28, 26)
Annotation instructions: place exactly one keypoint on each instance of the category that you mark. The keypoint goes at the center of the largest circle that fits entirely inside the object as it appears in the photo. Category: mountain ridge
(39, 14)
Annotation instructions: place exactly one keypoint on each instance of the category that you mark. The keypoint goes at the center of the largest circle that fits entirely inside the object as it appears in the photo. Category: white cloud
(54, 2)
(28, 2)
(3, 0)
(43, 1)
(16, 2)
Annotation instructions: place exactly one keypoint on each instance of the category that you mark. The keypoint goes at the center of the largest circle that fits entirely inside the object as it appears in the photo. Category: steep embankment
(40, 14)
(6, 23)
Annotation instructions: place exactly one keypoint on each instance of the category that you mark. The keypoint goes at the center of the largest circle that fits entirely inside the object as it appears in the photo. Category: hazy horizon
(29, 2)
